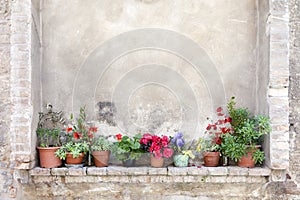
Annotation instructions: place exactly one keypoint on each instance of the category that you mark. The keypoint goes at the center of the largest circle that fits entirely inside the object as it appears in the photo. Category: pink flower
(157, 154)
(168, 152)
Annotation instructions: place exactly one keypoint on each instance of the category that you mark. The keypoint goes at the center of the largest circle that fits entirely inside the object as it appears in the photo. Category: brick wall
(5, 105)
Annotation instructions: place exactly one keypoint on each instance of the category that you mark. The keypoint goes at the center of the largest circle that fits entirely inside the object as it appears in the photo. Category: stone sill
(119, 174)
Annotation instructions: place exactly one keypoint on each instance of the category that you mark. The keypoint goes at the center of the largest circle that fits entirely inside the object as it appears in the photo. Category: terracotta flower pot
(156, 162)
(247, 160)
(211, 159)
(48, 158)
(71, 160)
(101, 158)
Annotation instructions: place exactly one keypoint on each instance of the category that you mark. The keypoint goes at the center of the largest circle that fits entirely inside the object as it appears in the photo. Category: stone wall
(20, 94)
(293, 184)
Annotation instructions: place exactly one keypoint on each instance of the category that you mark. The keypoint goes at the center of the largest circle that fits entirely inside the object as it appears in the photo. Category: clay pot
(211, 159)
(246, 160)
(101, 158)
(156, 162)
(71, 160)
(48, 158)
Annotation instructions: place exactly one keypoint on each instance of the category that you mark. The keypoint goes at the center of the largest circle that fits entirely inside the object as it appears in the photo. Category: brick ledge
(147, 174)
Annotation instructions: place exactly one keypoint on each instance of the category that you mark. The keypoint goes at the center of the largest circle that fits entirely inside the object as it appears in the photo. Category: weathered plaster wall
(225, 32)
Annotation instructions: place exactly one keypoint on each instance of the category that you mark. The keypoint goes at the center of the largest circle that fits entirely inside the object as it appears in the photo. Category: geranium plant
(156, 145)
(215, 130)
(79, 136)
(127, 147)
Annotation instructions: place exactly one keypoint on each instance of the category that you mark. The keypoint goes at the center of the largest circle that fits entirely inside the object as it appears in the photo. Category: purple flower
(178, 140)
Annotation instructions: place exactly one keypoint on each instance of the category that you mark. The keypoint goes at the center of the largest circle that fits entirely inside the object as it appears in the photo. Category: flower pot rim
(48, 147)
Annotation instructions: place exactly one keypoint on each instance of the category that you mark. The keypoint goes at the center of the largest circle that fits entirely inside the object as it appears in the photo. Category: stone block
(177, 171)
(40, 172)
(217, 171)
(279, 136)
(80, 179)
(157, 171)
(59, 171)
(203, 171)
(259, 172)
(278, 92)
(76, 171)
(216, 179)
(116, 170)
(98, 171)
(137, 171)
(237, 171)
(160, 179)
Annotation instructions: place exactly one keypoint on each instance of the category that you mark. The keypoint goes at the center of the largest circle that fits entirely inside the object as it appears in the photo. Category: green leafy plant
(74, 148)
(48, 137)
(248, 133)
(127, 148)
(258, 156)
(101, 144)
(238, 115)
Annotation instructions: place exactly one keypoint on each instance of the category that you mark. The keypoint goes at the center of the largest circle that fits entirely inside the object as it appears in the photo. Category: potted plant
(127, 149)
(101, 147)
(211, 145)
(181, 153)
(48, 140)
(243, 145)
(48, 137)
(73, 152)
(158, 147)
(78, 140)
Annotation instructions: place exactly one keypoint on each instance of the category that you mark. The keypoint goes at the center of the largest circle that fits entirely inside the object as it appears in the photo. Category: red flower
(93, 129)
(76, 135)
(218, 140)
(208, 127)
(69, 129)
(119, 137)
(228, 120)
(219, 109)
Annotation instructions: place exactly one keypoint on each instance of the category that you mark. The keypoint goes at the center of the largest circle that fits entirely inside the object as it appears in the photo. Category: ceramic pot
(156, 162)
(211, 159)
(48, 158)
(101, 158)
(181, 160)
